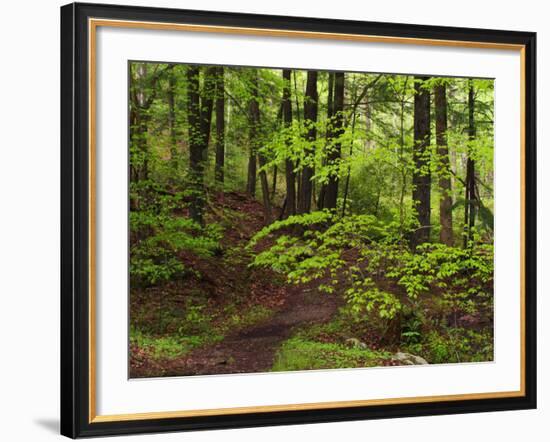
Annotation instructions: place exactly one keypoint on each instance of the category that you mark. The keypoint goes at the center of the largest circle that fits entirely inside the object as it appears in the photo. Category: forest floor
(232, 319)
(253, 348)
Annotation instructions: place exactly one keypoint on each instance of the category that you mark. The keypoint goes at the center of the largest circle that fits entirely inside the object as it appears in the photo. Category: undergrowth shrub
(159, 234)
(405, 293)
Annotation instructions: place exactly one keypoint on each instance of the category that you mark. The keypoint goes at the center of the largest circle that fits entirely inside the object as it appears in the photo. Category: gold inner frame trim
(93, 24)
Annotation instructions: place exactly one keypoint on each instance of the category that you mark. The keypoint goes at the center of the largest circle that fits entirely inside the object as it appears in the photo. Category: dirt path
(253, 349)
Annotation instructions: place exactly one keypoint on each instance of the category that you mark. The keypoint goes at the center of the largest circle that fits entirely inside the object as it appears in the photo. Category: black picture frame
(75, 221)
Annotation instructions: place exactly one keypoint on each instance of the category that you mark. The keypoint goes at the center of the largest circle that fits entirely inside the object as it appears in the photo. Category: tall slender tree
(290, 200)
(199, 115)
(172, 113)
(330, 112)
(444, 171)
(251, 175)
(278, 125)
(256, 139)
(355, 100)
(220, 126)
(403, 167)
(421, 179)
(310, 120)
(336, 127)
(470, 187)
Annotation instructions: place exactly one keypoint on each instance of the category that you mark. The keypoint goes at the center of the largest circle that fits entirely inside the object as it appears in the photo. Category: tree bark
(470, 191)
(310, 120)
(196, 145)
(290, 205)
(421, 179)
(445, 198)
(199, 115)
(220, 126)
(330, 112)
(336, 130)
(255, 140)
(348, 176)
(172, 115)
(274, 182)
(403, 162)
(207, 106)
(252, 167)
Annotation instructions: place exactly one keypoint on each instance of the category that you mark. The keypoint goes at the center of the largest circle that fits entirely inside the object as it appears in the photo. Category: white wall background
(29, 220)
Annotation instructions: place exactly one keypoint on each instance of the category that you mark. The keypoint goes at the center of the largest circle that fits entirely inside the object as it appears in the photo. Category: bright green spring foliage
(160, 236)
(374, 266)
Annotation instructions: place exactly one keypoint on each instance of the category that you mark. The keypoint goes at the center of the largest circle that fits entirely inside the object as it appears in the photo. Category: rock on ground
(408, 359)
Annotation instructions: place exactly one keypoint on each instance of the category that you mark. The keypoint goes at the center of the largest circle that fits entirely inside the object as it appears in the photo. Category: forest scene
(287, 219)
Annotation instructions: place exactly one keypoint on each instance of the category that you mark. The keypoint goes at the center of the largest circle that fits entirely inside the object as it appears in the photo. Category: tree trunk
(252, 166)
(268, 215)
(274, 183)
(348, 176)
(470, 192)
(330, 112)
(255, 140)
(199, 115)
(445, 198)
(251, 175)
(207, 106)
(310, 120)
(290, 206)
(403, 165)
(220, 126)
(172, 115)
(334, 153)
(421, 178)
(196, 145)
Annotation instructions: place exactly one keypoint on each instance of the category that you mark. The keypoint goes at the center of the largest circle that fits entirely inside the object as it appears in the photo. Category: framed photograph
(275, 220)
